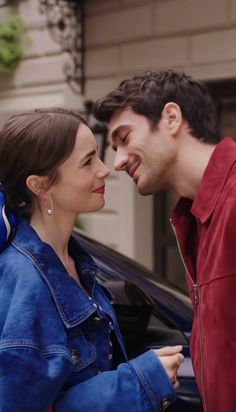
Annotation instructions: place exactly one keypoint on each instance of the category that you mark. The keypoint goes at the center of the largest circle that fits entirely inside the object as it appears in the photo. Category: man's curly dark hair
(148, 92)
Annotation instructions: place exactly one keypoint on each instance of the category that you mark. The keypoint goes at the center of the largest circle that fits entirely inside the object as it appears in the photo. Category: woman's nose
(104, 171)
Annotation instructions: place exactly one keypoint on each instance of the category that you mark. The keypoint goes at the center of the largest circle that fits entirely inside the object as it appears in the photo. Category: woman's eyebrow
(91, 153)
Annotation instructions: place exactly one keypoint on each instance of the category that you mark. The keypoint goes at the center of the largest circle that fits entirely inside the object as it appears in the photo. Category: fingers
(180, 359)
(176, 384)
(171, 359)
(169, 350)
(174, 361)
(173, 371)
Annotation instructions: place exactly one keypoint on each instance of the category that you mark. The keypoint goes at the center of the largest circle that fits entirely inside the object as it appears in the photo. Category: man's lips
(100, 190)
(133, 169)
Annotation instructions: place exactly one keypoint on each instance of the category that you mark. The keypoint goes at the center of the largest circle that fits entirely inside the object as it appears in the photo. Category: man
(163, 127)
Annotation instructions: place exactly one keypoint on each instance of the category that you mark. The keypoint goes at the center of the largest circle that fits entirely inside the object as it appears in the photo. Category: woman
(59, 334)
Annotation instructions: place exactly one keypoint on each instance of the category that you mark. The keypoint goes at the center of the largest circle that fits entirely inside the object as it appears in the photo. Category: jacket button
(166, 403)
(75, 357)
(96, 319)
(111, 326)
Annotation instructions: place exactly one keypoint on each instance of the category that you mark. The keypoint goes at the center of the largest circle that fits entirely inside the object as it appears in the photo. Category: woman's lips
(100, 190)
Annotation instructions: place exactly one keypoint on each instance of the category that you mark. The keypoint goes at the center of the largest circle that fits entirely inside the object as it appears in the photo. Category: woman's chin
(95, 208)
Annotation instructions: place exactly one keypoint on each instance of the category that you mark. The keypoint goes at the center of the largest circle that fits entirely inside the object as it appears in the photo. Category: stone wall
(123, 37)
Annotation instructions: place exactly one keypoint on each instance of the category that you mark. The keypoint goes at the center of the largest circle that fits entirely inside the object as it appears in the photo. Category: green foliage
(79, 224)
(10, 49)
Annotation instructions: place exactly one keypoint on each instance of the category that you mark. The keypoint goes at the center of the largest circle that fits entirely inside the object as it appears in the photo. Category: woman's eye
(88, 163)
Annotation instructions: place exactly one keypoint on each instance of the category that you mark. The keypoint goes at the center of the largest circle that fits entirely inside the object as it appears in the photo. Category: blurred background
(70, 52)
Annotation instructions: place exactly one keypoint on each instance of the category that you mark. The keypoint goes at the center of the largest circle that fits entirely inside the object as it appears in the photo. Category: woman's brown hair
(36, 142)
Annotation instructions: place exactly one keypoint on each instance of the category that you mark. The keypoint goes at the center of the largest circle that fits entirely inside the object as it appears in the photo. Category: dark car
(151, 313)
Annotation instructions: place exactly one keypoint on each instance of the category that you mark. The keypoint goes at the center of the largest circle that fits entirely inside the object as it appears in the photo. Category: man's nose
(121, 160)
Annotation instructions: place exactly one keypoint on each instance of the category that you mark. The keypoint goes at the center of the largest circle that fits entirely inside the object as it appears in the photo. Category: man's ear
(37, 184)
(172, 115)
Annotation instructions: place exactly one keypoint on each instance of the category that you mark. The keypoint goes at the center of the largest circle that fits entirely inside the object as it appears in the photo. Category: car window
(143, 324)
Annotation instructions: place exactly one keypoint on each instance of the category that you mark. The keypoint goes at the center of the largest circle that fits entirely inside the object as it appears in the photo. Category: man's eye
(123, 137)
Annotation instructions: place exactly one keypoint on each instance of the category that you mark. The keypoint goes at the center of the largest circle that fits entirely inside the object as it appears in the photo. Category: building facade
(122, 37)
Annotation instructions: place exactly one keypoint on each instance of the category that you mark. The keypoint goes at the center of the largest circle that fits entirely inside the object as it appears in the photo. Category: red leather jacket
(206, 233)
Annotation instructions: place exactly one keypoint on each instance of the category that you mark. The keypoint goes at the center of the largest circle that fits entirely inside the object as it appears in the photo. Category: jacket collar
(213, 181)
(72, 303)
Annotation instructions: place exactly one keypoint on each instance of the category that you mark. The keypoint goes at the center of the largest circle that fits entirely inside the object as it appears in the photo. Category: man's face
(146, 154)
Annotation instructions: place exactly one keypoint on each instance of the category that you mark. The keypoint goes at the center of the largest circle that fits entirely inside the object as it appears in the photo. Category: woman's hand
(171, 359)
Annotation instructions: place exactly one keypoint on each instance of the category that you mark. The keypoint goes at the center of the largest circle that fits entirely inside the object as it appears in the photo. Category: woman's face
(80, 185)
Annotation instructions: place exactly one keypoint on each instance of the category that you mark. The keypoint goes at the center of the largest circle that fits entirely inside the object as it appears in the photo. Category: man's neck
(192, 162)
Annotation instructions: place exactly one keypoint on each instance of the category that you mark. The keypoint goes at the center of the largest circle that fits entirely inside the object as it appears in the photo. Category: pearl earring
(50, 209)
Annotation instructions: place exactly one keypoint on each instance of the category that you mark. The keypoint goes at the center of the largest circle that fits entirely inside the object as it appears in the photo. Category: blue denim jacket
(57, 344)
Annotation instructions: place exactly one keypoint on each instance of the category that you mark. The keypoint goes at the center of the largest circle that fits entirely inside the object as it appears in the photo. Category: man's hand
(171, 359)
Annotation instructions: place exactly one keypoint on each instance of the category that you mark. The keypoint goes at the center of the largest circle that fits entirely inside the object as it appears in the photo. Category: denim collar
(72, 303)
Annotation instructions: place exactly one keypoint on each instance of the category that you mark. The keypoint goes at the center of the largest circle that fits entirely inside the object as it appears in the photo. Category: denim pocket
(83, 352)
(83, 355)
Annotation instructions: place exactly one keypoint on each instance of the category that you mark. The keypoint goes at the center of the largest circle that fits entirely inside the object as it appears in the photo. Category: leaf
(10, 49)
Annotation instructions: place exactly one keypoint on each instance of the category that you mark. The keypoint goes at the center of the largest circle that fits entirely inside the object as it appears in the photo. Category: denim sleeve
(140, 385)
(30, 379)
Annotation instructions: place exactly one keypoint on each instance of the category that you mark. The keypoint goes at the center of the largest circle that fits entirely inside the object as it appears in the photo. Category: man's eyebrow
(118, 130)
(91, 153)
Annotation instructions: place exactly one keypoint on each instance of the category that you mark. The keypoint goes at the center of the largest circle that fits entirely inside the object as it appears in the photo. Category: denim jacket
(57, 344)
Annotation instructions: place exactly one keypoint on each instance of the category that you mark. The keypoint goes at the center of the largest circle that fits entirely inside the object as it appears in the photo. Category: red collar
(213, 181)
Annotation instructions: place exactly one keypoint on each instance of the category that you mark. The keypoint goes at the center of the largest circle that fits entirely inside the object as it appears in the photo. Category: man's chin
(144, 190)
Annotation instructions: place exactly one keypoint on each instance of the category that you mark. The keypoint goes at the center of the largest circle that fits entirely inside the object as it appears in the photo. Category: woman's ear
(37, 184)
(173, 116)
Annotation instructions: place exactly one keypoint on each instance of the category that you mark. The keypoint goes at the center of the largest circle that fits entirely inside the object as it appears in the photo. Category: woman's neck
(55, 231)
